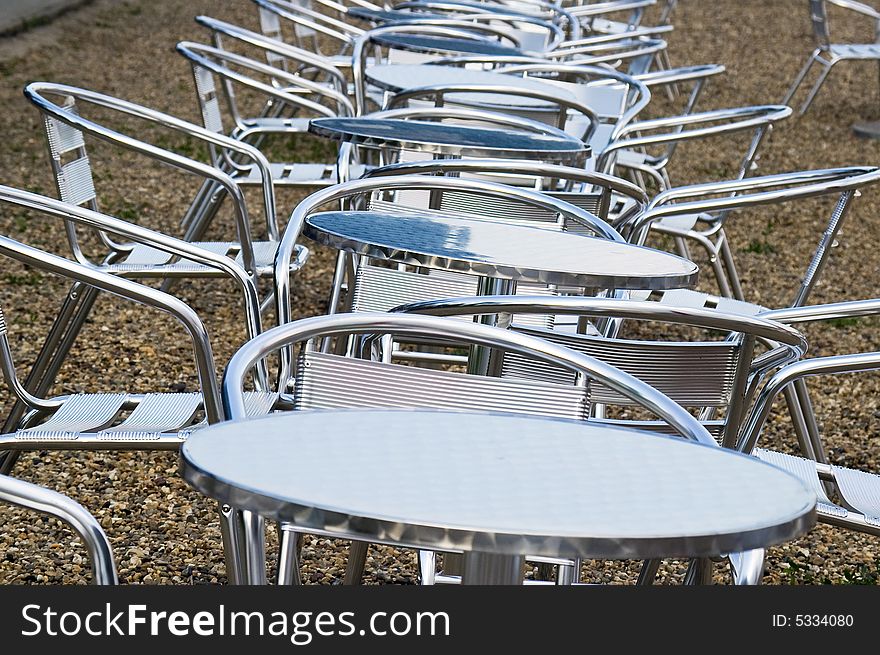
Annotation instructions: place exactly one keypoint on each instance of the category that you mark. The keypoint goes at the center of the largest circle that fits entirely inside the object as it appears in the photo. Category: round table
(498, 250)
(375, 475)
(402, 77)
(450, 139)
(387, 16)
(445, 45)
(867, 129)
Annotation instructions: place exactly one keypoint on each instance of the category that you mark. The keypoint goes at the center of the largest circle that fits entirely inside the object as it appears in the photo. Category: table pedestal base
(867, 129)
(490, 569)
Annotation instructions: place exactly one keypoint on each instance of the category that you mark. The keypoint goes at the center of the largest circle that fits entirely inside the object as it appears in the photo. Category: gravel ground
(164, 532)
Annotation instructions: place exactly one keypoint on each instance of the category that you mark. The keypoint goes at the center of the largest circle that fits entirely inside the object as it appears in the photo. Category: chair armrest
(139, 293)
(752, 191)
(46, 501)
(312, 21)
(678, 75)
(724, 121)
(598, 39)
(858, 7)
(852, 363)
(610, 6)
(824, 312)
(139, 234)
(610, 51)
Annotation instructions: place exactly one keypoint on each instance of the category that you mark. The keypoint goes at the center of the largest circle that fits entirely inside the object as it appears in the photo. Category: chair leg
(682, 247)
(289, 545)
(747, 568)
(699, 572)
(795, 411)
(357, 560)
(231, 532)
(812, 59)
(427, 567)
(729, 266)
(568, 574)
(75, 310)
(649, 572)
(254, 532)
(815, 89)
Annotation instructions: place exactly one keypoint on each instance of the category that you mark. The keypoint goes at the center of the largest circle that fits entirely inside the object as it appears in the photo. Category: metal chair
(828, 54)
(848, 497)
(65, 129)
(289, 102)
(841, 185)
(323, 380)
(615, 98)
(716, 377)
(381, 289)
(629, 153)
(113, 420)
(372, 192)
(570, 115)
(45, 501)
(278, 54)
(551, 13)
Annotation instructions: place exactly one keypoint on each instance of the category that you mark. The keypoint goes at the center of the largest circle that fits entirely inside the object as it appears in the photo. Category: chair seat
(297, 174)
(123, 421)
(699, 299)
(859, 490)
(855, 50)
(146, 261)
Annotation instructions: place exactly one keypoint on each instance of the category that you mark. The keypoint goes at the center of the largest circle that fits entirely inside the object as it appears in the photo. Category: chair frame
(824, 54)
(247, 530)
(46, 501)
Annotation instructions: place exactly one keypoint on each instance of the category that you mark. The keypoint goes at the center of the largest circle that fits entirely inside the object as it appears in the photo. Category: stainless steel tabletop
(448, 139)
(402, 77)
(444, 45)
(499, 250)
(374, 475)
(385, 16)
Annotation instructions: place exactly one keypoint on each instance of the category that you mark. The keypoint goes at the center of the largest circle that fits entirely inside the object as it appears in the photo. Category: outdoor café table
(373, 475)
(605, 101)
(449, 140)
(402, 77)
(444, 45)
(499, 251)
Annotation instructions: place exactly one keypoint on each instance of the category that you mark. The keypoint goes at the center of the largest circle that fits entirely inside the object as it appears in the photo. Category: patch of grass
(27, 279)
(760, 247)
(864, 574)
(37, 21)
(797, 573)
(845, 322)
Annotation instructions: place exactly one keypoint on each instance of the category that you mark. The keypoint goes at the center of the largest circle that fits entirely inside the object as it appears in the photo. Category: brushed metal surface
(616, 493)
(495, 249)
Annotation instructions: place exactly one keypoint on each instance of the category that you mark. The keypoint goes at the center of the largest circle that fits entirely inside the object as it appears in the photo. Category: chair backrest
(706, 374)
(819, 18)
(433, 385)
(615, 98)
(368, 46)
(65, 130)
(278, 54)
(592, 192)
(282, 93)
